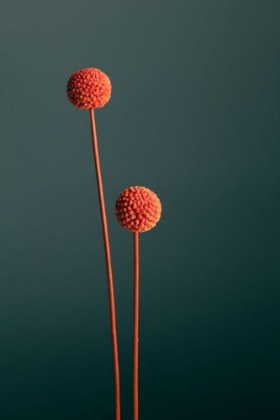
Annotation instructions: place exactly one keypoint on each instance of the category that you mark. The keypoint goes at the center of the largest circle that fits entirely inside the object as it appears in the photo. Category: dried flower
(138, 209)
(89, 88)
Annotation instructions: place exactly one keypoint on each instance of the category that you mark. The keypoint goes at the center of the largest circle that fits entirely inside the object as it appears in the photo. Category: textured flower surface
(89, 88)
(138, 209)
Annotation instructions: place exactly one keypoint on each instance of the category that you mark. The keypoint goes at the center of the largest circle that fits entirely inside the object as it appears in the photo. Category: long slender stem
(136, 327)
(109, 267)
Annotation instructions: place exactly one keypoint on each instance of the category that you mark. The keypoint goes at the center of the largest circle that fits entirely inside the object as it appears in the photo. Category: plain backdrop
(194, 116)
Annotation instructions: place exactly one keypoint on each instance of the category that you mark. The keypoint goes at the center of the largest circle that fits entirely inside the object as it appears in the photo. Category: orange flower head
(89, 88)
(138, 209)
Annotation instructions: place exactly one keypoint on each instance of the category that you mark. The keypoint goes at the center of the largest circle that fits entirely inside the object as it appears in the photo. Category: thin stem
(109, 267)
(136, 327)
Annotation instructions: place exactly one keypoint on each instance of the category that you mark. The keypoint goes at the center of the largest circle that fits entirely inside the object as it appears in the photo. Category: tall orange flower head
(89, 88)
(138, 209)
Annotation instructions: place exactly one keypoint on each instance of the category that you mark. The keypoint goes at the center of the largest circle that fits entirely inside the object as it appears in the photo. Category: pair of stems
(111, 289)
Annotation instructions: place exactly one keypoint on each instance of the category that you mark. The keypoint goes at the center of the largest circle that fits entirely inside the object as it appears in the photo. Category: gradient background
(194, 116)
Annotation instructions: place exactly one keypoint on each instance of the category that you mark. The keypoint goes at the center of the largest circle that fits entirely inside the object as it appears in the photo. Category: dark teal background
(194, 116)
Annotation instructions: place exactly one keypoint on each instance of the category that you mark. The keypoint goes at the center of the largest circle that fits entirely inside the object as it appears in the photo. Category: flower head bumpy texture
(89, 88)
(138, 209)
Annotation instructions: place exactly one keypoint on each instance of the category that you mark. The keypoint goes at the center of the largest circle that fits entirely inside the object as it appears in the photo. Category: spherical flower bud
(138, 209)
(89, 88)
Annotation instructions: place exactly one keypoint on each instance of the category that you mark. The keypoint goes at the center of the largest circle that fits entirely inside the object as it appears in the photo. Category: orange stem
(109, 267)
(136, 327)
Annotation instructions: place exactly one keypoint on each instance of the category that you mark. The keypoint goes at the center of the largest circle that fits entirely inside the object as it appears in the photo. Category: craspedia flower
(138, 209)
(89, 88)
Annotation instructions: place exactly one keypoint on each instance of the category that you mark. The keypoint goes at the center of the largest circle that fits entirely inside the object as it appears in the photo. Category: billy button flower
(90, 88)
(138, 210)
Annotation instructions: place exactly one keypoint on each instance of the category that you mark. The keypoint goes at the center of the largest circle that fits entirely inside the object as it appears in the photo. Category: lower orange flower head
(138, 209)
(89, 88)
